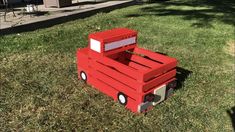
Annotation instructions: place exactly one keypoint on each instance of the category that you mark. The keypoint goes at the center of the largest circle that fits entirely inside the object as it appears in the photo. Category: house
(21, 1)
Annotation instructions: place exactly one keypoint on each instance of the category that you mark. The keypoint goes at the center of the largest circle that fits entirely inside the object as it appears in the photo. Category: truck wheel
(122, 98)
(169, 92)
(83, 76)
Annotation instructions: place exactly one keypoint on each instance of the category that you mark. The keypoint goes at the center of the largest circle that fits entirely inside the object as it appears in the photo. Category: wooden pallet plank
(158, 71)
(135, 65)
(115, 84)
(155, 56)
(104, 88)
(158, 80)
(117, 65)
(141, 60)
(137, 86)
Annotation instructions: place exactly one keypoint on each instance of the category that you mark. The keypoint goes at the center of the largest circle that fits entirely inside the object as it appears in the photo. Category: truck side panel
(82, 61)
(103, 87)
(110, 90)
(112, 72)
(115, 84)
(117, 65)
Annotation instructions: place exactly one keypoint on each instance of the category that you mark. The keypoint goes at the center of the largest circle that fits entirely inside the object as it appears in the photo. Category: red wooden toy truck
(115, 65)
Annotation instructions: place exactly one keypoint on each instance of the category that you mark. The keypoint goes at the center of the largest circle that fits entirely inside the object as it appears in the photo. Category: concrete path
(47, 17)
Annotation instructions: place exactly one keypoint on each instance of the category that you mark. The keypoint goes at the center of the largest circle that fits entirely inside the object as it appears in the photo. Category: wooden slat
(138, 66)
(135, 65)
(115, 84)
(137, 86)
(137, 75)
(158, 70)
(114, 56)
(142, 60)
(155, 56)
(158, 80)
(106, 89)
(132, 104)
(121, 68)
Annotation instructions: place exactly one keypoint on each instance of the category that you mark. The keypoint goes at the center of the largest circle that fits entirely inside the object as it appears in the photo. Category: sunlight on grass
(40, 90)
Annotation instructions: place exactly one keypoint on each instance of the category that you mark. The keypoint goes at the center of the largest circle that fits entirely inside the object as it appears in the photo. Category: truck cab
(135, 77)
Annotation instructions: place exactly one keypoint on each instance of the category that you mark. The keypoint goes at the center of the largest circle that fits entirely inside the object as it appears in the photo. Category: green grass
(39, 89)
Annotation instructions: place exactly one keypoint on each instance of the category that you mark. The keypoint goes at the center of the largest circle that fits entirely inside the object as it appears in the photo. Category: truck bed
(137, 68)
(149, 63)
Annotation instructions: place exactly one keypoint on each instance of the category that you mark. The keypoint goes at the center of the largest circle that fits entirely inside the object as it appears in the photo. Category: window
(95, 45)
(120, 43)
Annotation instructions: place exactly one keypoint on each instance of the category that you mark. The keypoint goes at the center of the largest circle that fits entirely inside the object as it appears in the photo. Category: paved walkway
(46, 17)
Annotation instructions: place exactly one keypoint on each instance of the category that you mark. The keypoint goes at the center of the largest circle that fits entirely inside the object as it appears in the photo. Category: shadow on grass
(231, 114)
(181, 75)
(36, 13)
(203, 11)
(74, 9)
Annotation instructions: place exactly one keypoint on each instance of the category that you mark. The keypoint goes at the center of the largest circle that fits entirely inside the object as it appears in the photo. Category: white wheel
(122, 99)
(83, 76)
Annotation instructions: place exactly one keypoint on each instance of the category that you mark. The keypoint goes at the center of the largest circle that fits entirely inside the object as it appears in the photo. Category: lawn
(39, 89)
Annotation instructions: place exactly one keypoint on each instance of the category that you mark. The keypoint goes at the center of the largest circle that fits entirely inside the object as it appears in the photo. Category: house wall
(23, 1)
(14, 1)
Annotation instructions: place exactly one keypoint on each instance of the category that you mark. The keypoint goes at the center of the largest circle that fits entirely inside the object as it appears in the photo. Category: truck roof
(113, 35)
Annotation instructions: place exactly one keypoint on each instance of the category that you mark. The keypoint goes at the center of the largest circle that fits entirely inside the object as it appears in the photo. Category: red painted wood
(155, 56)
(106, 89)
(116, 71)
(143, 61)
(137, 66)
(158, 80)
(132, 105)
(134, 65)
(158, 71)
(121, 68)
(117, 75)
(116, 84)
(113, 35)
